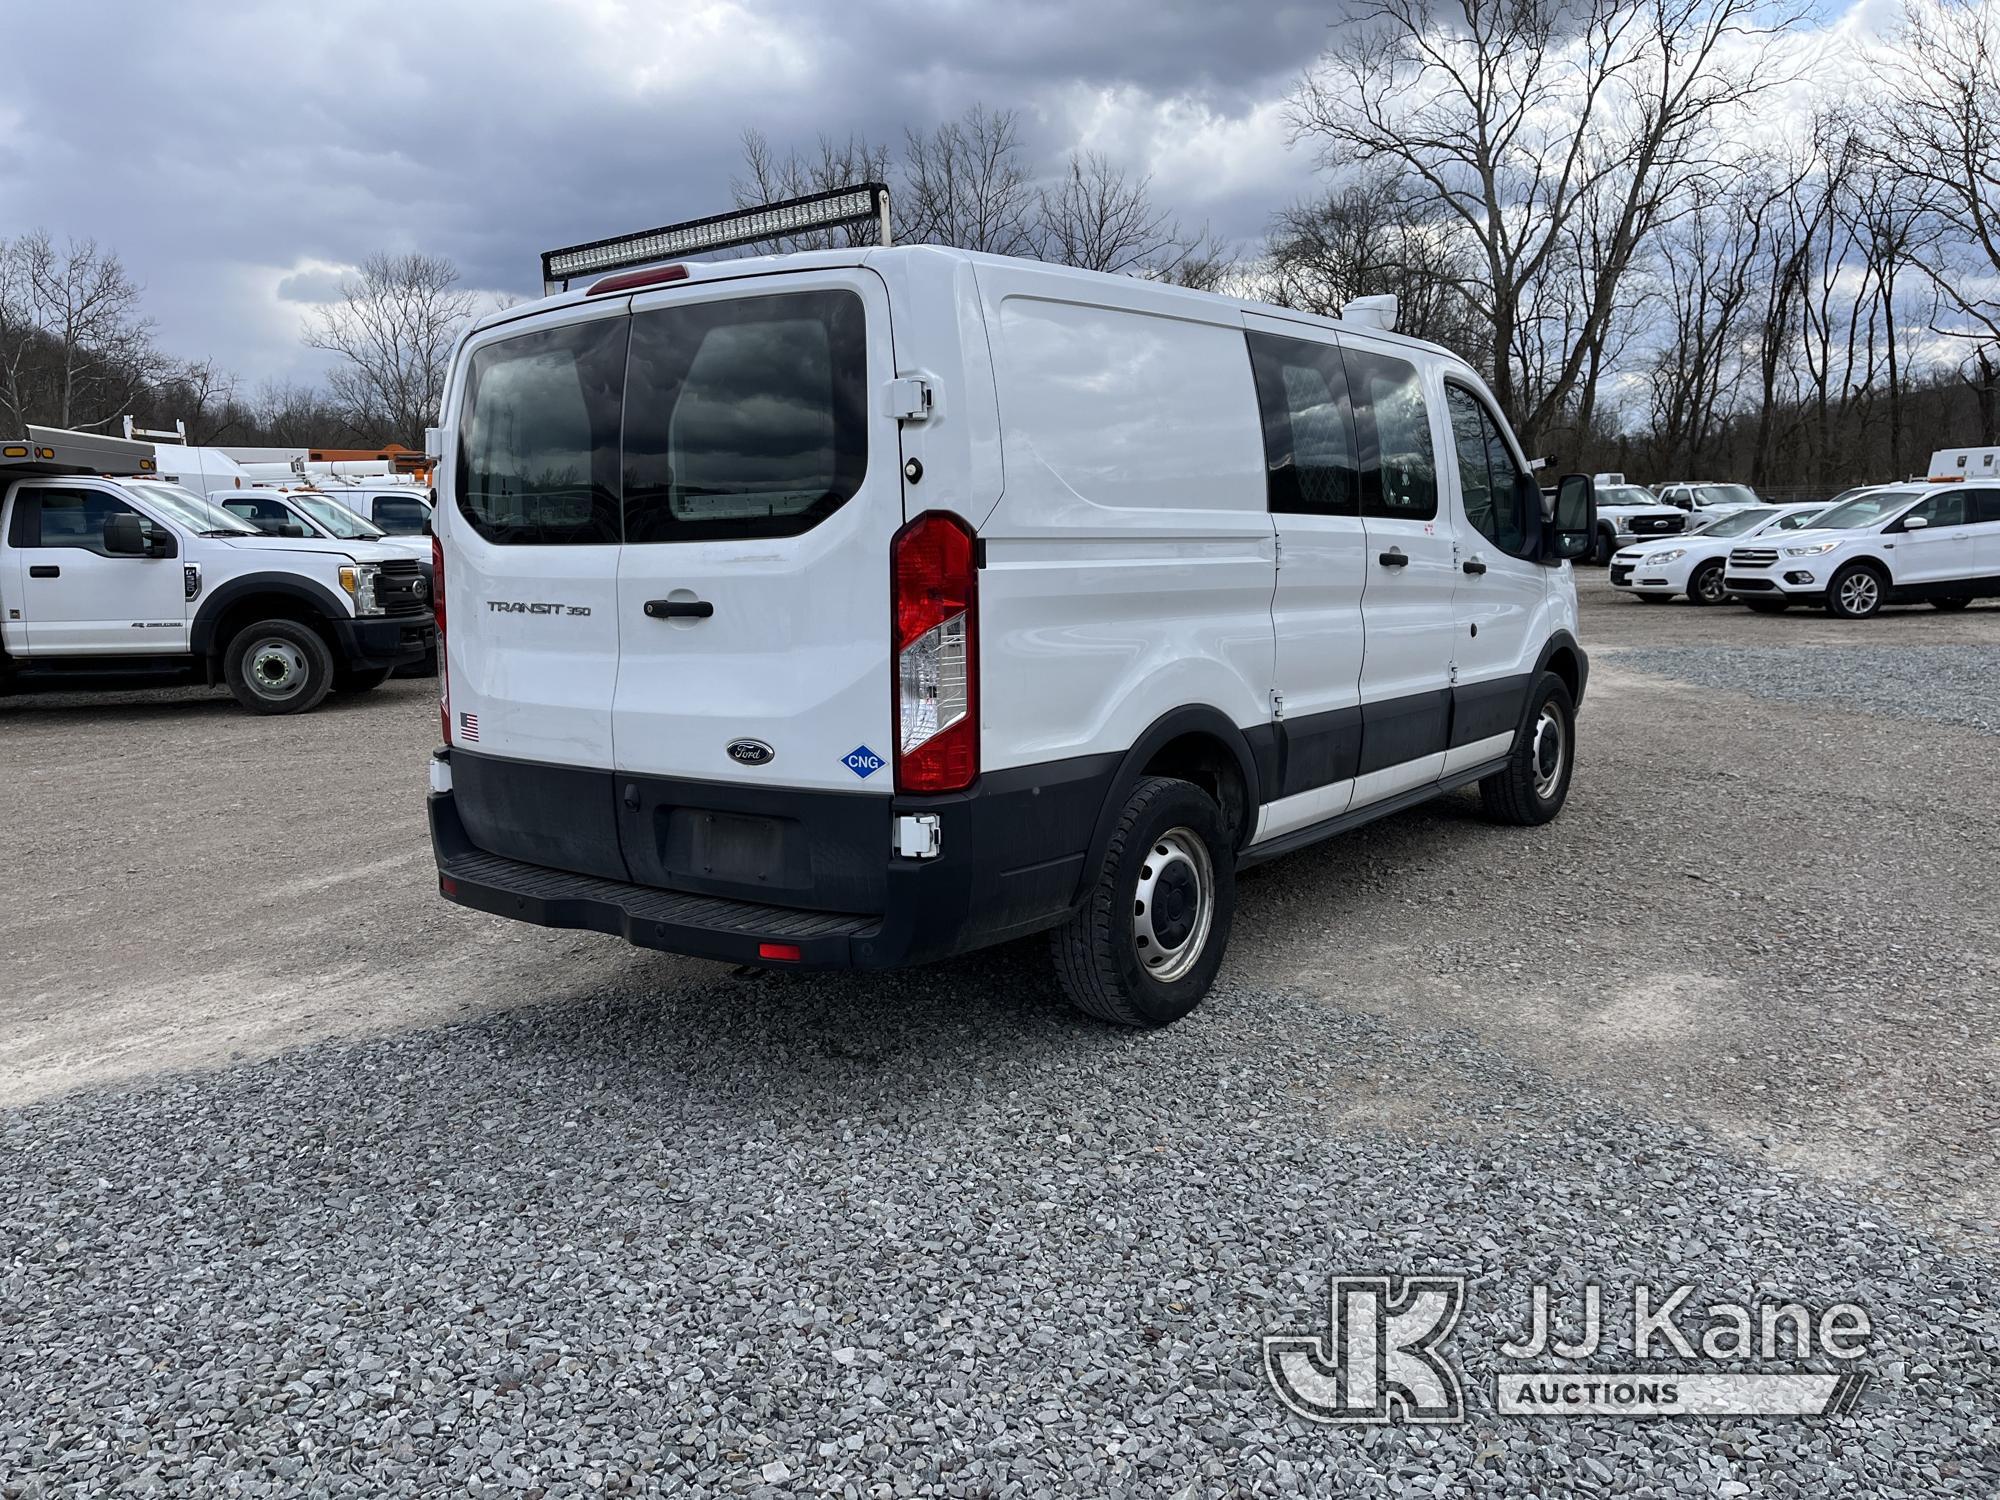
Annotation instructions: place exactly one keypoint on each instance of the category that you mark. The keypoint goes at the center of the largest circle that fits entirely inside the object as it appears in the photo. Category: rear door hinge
(1277, 705)
(911, 399)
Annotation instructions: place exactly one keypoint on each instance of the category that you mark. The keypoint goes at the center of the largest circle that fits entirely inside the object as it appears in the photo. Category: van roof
(884, 258)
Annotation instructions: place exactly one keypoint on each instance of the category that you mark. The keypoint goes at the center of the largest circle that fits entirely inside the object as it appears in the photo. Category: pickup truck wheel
(1607, 543)
(360, 682)
(278, 667)
(1857, 592)
(1706, 585)
(1535, 784)
(1144, 948)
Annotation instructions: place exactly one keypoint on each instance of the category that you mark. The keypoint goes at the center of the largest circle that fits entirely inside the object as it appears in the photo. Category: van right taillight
(437, 614)
(936, 616)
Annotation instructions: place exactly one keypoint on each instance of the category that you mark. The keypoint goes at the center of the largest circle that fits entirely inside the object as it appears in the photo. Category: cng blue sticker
(862, 761)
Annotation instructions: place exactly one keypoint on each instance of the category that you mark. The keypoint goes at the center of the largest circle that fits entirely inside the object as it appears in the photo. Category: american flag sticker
(468, 725)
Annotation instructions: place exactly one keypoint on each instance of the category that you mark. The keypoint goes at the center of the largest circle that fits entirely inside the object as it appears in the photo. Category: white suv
(857, 608)
(1693, 564)
(1937, 542)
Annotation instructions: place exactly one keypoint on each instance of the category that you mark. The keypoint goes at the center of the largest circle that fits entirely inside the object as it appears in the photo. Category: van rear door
(531, 541)
(762, 488)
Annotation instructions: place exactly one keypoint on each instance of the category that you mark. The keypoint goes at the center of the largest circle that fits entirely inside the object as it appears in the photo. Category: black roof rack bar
(855, 204)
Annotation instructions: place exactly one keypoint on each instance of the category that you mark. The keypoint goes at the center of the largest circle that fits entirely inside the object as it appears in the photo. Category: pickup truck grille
(401, 587)
(1753, 557)
(1657, 525)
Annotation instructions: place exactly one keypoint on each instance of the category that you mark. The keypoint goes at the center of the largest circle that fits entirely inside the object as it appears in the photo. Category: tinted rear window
(744, 418)
(538, 436)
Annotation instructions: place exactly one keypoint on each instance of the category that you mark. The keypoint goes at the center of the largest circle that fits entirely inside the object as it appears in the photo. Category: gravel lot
(312, 1184)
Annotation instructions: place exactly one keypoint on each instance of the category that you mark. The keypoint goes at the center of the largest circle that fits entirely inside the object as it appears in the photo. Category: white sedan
(1693, 564)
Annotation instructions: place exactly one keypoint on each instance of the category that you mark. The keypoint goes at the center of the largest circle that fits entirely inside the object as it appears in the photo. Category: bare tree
(1098, 218)
(965, 184)
(393, 330)
(1371, 239)
(73, 348)
(1515, 114)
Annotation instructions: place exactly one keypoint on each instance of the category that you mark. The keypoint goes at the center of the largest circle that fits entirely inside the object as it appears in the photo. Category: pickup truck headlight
(359, 581)
(1811, 549)
(1654, 559)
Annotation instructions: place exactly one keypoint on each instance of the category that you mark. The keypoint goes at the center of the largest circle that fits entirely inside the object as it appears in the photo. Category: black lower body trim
(385, 641)
(1300, 838)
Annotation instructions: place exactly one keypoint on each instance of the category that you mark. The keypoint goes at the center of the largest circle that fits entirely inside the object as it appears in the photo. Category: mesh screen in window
(1311, 461)
(1399, 466)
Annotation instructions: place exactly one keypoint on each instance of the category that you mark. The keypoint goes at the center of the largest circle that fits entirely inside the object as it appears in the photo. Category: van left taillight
(936, 630)
(437, 614)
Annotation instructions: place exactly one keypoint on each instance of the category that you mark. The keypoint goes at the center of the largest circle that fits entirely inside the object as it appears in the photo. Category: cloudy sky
(239, 156)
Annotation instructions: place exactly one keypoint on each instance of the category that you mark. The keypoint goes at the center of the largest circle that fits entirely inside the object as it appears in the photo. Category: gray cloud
(231, 152)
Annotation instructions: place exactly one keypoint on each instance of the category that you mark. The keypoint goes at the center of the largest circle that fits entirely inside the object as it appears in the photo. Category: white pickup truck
(111, 578)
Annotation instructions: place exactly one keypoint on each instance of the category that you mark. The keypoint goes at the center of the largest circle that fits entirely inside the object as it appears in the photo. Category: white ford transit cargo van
(856, 608)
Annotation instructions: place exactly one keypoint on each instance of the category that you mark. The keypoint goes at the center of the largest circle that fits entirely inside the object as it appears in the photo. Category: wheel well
(1563, 662)
(247, 611)
(1874, 565)
(1211, 765)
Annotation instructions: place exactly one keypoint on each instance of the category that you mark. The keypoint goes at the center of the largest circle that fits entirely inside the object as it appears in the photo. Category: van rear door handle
(1474, 566)
(44, 570)
(679, 609)
(1393, 560)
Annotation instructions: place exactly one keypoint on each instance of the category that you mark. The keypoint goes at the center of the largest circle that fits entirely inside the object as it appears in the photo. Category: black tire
(1530, 791)
(1768, 606)
(259, 653)
(1097, 954)
(1603, 547)
(1858, 592)
(1705, 584)
(1653, 598)
(347, 681)
(1951, 606)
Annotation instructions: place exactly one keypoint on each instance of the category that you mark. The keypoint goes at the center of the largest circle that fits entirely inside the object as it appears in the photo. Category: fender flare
(1560, 640)
(323, 601)
(1170, 726)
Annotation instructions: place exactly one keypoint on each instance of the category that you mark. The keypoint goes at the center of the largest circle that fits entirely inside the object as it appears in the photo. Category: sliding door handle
(1393, 559)
(1474, 566)
(679, 609)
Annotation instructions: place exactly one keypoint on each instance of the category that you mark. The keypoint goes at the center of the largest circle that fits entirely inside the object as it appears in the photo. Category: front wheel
(1856, 593)
(278, 667)
(1606, 545)
(1706, 585)
(1145, 946)
(1535, 783)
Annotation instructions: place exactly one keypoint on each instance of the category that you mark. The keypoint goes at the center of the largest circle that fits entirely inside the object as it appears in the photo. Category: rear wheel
(278, 667)
(1145, 946)
(1769, 606)
(1857, 592)
(1535, 783)
(1705, 587)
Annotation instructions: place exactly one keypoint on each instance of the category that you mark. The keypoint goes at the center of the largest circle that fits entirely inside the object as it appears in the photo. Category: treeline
(1683, 238)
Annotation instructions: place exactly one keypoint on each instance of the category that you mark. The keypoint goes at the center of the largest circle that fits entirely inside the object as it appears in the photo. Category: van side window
(1398, 464)
(1311, 462)
(746, 417)
(538, 436)
(1489, 479)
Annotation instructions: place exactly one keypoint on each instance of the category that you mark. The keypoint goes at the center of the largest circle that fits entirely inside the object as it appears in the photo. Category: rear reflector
(784, 953)
(447, 886)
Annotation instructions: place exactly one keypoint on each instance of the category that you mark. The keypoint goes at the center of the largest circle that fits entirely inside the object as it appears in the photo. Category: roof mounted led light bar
(744, 226)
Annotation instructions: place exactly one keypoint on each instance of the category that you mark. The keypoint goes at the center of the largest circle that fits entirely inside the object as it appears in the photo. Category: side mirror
(1915, 523)
(125, 535)
(1572, 521)
(159, 541)
(289, 528)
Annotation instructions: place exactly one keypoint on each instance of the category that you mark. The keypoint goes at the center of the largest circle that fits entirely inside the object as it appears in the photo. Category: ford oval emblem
(751, 752)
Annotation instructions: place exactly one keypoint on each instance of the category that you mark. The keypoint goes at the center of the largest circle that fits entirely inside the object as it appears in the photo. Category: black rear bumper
(1013, 854)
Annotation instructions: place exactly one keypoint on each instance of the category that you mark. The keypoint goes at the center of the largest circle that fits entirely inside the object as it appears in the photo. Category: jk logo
(1378, 1358)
